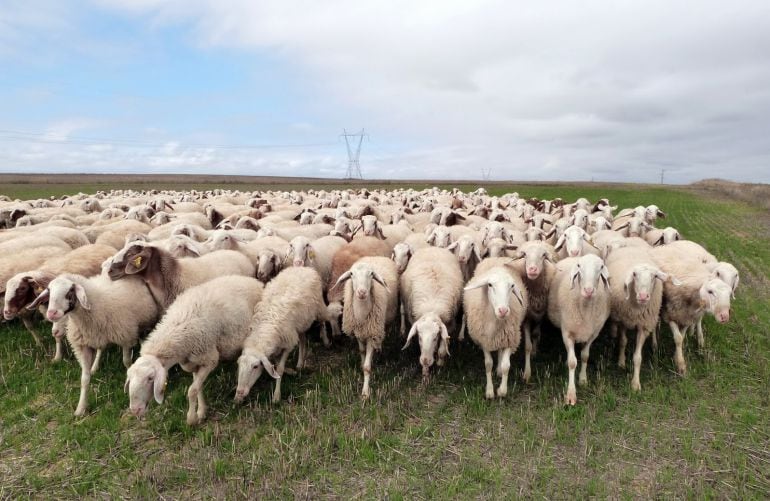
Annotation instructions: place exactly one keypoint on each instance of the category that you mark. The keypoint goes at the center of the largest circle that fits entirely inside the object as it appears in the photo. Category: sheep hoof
(365, 394)
(571, 398)
(80, 412)
(192, 419)
(622, 364)
(636, 386)
(501, 392)
(490, 394)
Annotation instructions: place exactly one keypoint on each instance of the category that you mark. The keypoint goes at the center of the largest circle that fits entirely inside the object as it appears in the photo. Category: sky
(603, 90)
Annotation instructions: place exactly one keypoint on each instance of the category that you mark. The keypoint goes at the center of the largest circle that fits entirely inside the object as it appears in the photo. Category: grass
(704, 435)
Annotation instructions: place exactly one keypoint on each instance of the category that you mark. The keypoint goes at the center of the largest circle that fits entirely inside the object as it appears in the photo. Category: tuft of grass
(703, 435)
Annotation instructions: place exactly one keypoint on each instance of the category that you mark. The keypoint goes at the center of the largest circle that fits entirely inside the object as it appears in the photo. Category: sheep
(166, 276)
(72, 237)
(685, 249)
(343, 259)
(665, 236)
(24, 244)
(402, 253)
(534, 264)
(495, 303)
(318, 254)
(290, 303)
(96, 313)
(573, 242)
(439, 236)
(368, 309)
(207, 324)
(468, 254)
(631, 227)
(635, 300)
(580, 312)
(431, 291)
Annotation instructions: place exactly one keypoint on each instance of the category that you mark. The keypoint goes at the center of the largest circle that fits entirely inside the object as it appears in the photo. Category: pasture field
(703, 435)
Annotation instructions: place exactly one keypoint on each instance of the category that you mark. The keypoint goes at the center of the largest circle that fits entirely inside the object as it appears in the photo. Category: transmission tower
(486, 172)
(354, 153)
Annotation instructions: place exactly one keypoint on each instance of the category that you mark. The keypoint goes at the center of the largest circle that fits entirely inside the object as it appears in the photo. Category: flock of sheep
(225, 275)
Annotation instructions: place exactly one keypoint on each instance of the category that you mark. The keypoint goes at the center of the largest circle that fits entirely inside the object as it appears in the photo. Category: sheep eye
(255, 366)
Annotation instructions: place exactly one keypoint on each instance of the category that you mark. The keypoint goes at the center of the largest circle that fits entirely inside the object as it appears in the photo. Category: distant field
(704, 435)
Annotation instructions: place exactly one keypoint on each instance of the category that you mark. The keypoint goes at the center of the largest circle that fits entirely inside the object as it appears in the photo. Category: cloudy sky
(609, 90)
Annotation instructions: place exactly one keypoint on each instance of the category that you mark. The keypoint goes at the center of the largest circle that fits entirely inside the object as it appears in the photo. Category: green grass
(704, 435)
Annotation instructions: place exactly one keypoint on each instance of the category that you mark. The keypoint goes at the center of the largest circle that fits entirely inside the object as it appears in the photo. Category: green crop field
(703, 435)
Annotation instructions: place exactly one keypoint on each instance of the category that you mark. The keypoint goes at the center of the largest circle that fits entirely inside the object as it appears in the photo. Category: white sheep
(431, 291)
(290, 303)
(575, 242)
(97, 315)
(317, 254)
(579, 304)
(635, 300)
(207, 324)
(369, 310)
(495, 303)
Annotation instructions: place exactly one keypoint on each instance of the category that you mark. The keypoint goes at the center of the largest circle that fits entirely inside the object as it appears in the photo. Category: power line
(50, 138)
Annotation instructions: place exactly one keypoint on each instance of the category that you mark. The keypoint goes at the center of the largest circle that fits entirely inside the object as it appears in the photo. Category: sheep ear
(43, 296)
(575, 275)
(378, 231)
(378, 278)
(430, 239)
(677, 236)
(661, 214)
(412, 333)
(80, 293)
(605, 276)
(627, 284)
(444, 336)
(192, 250)
(159, 387)
(269, 367)
(517, 293)
(659, 241)
(472, 286)
(559, 243)
(551, 232)
(478, 252)
(622, 226)
(277, 261)
(125, 385)
(138, 262)
(343, 277)
(452, 246)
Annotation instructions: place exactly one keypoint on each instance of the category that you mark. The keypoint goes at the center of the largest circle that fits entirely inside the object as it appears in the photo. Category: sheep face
(116, 265)
(501, 291)
(429, 329)
(601, 223)
(268, 265)
(587, 273)
(302, 250)
(580, 218)
(652, 213)
(402, 252)
(145, 379)
(534, 257)
(180, 246)
(493, 229)
(715, 297)
(306, 217)
(371, 227)
(63, 297)
(496, 247)
(250, 367)
(362, 278)
(439, 237)
(222, 240)
(669, 235)
(642, 278)
(464, 248)
(534, 234)
(573, 239)
(21, 290)
(723, 271)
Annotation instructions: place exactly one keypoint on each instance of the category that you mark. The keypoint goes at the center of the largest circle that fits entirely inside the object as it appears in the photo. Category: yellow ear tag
(138, 261)
(311, 254)
(37, 289)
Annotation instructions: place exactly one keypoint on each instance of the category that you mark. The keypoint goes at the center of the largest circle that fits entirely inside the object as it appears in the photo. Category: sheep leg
(461, 335)
(196, 410)
(571, 398)
(641, 337)
(583, 378)
(699, 328)
(362, 351)
(402, 312)
(86, 358)
(367, 368)
(681, 366)
(655, 338)
(324, 335)
(59, 351)
(503, 367)
(302, 350)
(126, 356)
(28, 324)
(535, 338)
(443, 351)
(622, 342)
(97, 360)
(280, 369)
(488, 363)
(527, 351)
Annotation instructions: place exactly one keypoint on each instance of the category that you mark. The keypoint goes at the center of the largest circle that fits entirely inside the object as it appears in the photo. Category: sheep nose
(463, 259)
(361, 294)
(7, 314)
(574, 253)
(52, 315)
(502, 311)
(643, 296)
(723, 317)
(588, 291)
(426, 361)
(298, 262)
